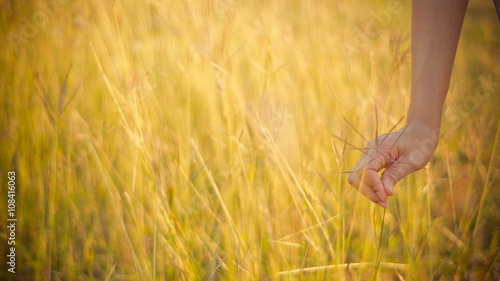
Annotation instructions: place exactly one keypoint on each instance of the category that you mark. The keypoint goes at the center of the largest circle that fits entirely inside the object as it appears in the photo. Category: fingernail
(383, 204)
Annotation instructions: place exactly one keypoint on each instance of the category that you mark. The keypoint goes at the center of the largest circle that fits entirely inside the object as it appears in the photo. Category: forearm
(436, 26)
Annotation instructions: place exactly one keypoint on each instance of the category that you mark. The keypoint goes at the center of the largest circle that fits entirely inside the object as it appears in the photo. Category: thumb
(393, 174)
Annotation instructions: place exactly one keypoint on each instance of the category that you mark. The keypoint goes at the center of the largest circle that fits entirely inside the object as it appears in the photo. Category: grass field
(192, 140)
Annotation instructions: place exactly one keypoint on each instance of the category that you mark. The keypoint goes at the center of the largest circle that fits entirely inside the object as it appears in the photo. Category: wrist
(424, 123)
(423, 128)
(425, 114)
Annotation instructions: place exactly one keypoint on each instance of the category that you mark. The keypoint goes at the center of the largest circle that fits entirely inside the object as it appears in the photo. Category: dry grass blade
(110, 272)
(359, 265)
(210, 276)
(353, 171)
(45, 98)
(327, 184)
(352, 145)
(215, 188)
(354, 128)
(400, 135)
(378, 144)
(387, 160)
(334, 148)
(320, 224)
(63, 93)
(399, 161)
(392, 129)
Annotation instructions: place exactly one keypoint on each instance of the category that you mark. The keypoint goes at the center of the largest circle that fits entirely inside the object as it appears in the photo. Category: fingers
(359, 183)
(394, 173)
(399, 154)
(371, 179)
(367, 162)
(367, 180)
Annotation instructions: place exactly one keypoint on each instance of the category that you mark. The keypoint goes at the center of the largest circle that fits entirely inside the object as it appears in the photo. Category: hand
(400, 153)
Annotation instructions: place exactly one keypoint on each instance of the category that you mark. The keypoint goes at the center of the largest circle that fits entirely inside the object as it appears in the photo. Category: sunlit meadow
(192, 140)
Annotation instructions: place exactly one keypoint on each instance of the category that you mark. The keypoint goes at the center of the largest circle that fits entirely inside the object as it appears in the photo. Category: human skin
(436, 26)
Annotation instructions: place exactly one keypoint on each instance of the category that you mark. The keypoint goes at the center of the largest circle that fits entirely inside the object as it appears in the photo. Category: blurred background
(192, 140)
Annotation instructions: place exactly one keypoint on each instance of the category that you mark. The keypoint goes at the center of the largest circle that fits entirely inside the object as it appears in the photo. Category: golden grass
(191, 140)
